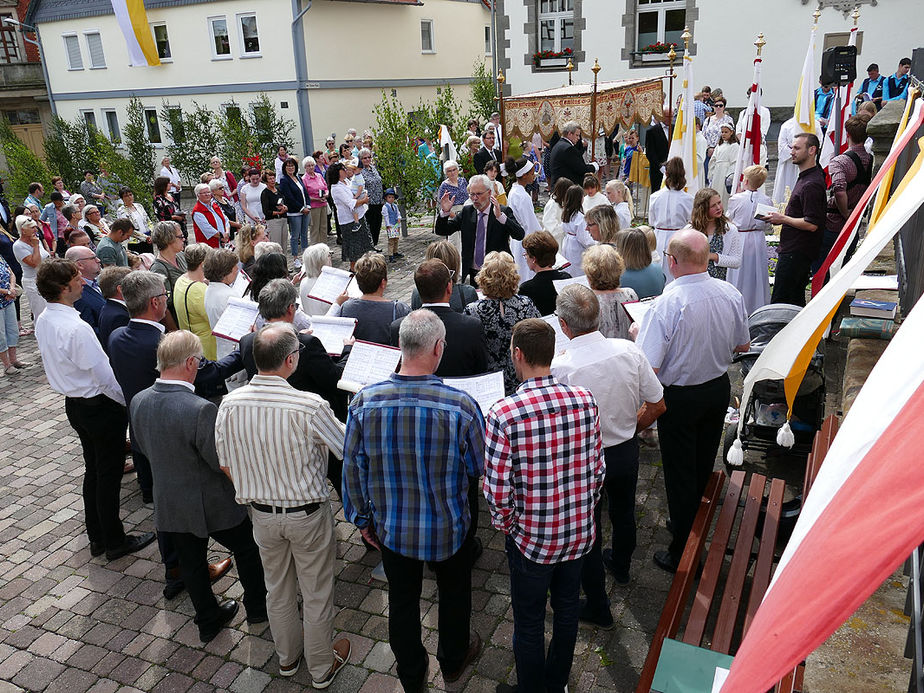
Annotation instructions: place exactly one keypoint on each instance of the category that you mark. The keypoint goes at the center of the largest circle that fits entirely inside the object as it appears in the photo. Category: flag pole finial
(686, 36)
(816, 14)
(856, 15)
(760, 43)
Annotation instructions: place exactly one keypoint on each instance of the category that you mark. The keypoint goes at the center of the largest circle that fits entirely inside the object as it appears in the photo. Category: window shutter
(95, 47)
(74, 59)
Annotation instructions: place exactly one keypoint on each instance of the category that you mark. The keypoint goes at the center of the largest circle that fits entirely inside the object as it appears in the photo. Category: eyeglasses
(166, 294)
(674, 257)
(591, 223)
(301, 348)
(452, 273)
(719, 105)
(180, 236)
(201, 361)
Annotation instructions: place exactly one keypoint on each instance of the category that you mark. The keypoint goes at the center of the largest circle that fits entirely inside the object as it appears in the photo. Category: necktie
(480, 233)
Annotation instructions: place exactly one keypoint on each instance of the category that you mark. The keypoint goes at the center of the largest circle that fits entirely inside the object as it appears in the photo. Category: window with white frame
(95, 50)
(660, 21)
(112, 125)
(556, 25)
(150, 119)
(89, 117)
(221, 40)
(10, 49)
(426, 36)
(72, 49)
(487, 40)
(248, 35)
(162, 41)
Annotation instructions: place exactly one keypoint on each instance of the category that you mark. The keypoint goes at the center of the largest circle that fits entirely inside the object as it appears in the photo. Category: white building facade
(218, 52)
(616, 32)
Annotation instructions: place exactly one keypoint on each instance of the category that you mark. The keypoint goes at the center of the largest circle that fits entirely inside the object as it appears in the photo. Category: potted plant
(656, 51)
(552, 58)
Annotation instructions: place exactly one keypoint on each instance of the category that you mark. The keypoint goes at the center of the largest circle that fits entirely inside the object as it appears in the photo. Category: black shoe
(474, 649)
(173, 589)
(226, 611)
(399, 254)
(97, 548)
(506, 688)
(147, 497)
(132, 543)
(665, 561)
(600, 619)
(477, 550)
(621, 576)
(669, 525)
(257, 617)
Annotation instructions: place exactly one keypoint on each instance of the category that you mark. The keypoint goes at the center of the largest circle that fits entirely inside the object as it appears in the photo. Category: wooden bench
(738, 564)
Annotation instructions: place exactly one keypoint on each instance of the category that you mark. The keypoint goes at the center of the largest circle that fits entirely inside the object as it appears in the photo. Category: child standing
(392, 216)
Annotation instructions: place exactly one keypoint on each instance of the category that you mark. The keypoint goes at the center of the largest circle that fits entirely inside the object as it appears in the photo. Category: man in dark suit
(316, 372)
(657, 145)
(486, 153)
(193, 498)
(113, 314)
(91, 300)
(485, 225)
(133, 356)
(465, 352)
(566, 159)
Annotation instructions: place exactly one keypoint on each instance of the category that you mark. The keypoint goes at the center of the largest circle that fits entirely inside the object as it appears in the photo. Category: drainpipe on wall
(301, 75)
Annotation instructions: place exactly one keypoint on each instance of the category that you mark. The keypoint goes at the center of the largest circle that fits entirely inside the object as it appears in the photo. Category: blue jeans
(9, 329)
(529, 584)
(298, 234)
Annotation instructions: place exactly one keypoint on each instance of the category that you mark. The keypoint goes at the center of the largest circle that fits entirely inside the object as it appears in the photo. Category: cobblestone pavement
(70, 622)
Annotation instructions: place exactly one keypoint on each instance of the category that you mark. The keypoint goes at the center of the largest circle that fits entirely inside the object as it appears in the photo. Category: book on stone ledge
(866, 308)
(868, 328)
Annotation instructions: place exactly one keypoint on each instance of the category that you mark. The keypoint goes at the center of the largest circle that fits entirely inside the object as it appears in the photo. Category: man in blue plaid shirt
(413, 447)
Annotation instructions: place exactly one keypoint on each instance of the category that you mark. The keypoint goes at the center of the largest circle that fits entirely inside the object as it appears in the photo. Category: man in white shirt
(273, 441)
(77, 367)
(627, 390)
(689, 336)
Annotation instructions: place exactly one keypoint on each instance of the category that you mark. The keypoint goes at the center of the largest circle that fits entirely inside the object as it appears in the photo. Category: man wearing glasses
(273, 442)
(91, 299)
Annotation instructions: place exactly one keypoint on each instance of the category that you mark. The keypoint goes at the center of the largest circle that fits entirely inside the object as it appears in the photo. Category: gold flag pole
(503, 120)
(593, 110)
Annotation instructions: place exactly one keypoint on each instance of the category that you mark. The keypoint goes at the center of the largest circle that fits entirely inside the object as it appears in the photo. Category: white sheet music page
(331, 283)
(237, 320)
(368, 363)
(637, 309)
(485, 389)
(332, 331)
(560, 284)
(241, 282)
(561, 341)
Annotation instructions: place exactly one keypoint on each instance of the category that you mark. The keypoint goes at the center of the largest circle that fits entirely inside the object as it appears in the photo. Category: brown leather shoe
(474, 649)
(217, 570)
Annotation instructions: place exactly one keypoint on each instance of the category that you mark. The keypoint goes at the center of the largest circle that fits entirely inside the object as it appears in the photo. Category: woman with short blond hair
(604, 267)
(642, 274)
(500, 309)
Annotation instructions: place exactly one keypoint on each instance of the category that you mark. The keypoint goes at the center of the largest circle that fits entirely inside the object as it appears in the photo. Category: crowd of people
(242, 441)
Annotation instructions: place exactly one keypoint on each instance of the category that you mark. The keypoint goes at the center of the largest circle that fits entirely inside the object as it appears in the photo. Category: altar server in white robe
(751, 278)
(521, 202)
(786, 171)
(723, 162)
(670, 208)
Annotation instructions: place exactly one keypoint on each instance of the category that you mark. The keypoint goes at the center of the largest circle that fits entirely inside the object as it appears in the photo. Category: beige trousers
(317, 231)
(298, 551)
(277, 230)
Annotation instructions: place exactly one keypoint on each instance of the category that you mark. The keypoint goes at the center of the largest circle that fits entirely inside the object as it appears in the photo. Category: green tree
(69, 150)
(484, 91)
(135, 138)
(270, 129)
(123, 171)
(194, 137)
(236, 137)
(23, 166)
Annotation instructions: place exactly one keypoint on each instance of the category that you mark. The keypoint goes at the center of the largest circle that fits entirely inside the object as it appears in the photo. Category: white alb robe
(668, 212)
(752, 278)
(521, 203)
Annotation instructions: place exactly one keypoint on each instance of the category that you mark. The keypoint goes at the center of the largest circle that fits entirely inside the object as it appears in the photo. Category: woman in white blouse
(220, 268)
(315, 257)
(356, 240)
(669, 208)
(752, 277)
(250, 198)
(577, 238)
(521, 202)
(138, 216)
(724, 241)
(723, 161)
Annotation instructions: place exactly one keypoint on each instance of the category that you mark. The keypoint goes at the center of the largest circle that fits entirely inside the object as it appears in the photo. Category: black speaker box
(839, 65)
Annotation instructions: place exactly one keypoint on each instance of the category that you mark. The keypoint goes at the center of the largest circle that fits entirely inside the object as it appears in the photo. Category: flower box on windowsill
(654, 57)
(553, 62)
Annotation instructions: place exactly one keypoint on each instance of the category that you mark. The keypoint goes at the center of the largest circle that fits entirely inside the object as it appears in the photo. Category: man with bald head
(689, 336)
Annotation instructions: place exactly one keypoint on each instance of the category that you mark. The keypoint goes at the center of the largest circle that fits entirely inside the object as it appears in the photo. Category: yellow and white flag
(133, 20)
(805, 99)
(683, 141)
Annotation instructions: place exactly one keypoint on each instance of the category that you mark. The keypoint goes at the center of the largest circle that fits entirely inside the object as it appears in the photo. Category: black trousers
(192, 552)
(619, 485)
(100, 424)
(454, 588)
(791, 276)
(689, 433)
(374, 217)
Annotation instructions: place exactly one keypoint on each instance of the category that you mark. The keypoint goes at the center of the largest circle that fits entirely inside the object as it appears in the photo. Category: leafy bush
(194, 137)
(23, 165)
(140, 149)
(484, 91)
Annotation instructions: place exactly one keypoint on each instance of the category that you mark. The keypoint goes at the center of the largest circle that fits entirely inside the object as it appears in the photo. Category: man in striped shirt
(413, 447)
(273, 440)
(543, 475)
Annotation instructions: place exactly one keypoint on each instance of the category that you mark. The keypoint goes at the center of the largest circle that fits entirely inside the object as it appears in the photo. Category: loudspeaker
(839, 65)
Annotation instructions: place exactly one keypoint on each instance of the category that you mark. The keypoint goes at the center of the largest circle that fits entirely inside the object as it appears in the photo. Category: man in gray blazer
(193, 498)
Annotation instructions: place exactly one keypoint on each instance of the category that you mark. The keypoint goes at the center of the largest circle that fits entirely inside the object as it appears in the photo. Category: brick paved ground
(70, 622)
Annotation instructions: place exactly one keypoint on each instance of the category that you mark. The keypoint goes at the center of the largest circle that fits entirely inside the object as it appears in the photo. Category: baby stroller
(765, 412)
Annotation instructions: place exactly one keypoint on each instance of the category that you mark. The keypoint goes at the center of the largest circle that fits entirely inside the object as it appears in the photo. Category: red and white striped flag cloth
(749, 151)
(865, 513)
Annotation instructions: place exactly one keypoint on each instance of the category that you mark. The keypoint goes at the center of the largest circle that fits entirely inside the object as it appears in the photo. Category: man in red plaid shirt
(543, 473)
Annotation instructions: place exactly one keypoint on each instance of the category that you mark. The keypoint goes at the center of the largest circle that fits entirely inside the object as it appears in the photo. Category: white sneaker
(298, 264)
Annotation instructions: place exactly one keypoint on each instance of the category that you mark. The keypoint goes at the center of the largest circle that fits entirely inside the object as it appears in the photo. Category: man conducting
(566, 160)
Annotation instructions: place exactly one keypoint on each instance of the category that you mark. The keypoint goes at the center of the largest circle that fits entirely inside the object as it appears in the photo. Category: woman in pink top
(317, 191)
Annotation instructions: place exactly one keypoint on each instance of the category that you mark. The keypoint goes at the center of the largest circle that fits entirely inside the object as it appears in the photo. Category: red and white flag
(865, 512)
(835, 139)
(749, 151)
